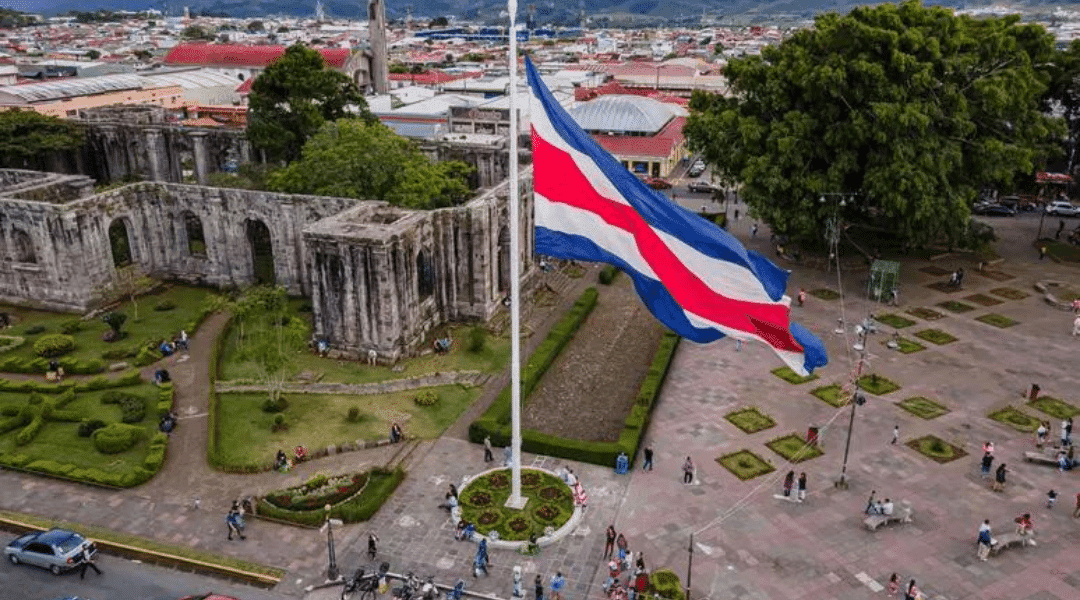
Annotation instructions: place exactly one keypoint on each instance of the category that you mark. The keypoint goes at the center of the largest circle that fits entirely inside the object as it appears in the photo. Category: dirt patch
(588, 391)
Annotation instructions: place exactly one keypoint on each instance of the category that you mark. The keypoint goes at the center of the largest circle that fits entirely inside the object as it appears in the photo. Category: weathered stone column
(198, 144)
(155, 150)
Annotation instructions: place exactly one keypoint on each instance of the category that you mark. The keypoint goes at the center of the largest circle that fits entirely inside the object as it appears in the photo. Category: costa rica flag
(694, 277)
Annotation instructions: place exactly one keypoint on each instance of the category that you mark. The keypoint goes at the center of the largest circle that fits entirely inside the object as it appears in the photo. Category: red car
(657, 184)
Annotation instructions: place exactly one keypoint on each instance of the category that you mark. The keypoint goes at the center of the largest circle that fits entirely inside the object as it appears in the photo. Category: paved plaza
(747, 544)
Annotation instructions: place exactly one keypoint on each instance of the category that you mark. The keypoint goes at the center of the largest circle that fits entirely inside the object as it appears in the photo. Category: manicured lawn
(790, 376)
(1054, 407)
(1010, 293)
(925, 313)
(906, 346)
(923, 408)
(936, 449)
(483, 502)
(794, 448)
(750, 420)
(824, 294)
(1015, 419)
(317, 421)
(935, 336)
(744, 464)
(877, 385)
(999, 321)
(491, 359)
(894, 320)
(1061, 251)
(60, 442)
(956, 307)
(832, 394)
(982, 299)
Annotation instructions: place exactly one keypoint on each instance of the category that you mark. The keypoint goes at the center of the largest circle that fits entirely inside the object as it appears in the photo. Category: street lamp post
(332, 573)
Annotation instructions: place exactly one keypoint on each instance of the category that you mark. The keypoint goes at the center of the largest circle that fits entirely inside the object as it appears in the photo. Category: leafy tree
(292, 99)
(438, 22)
(913, 108)
(143, 54)
(128, 282)
(269, 337)
(27, 137)
(1064, 92)
(196, 33)
(115, 321)
(355, 159)
(93, 54)
(255, 26)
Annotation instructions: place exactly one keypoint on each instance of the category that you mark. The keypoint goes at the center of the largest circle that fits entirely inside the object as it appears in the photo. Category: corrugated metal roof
(72, 87)
(191, 79)
(417, 131)
(625, 114)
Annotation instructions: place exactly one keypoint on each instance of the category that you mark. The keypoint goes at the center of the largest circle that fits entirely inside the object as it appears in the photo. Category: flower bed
(1010, 293)
(925, 313)
(794, 448)
(982, 299)
(832, 395)
(792, 377)
(744, 464)
(895, 321)
(922, 407)
(824, 294)
(999, 321)
(935, 336)
(956, 307)
(936, 449)
(1054, 407)
(352, 498)
(550, 504)
(877, 385)
(906, 346)
(1015, 419)
(318, 491)
(750, 420)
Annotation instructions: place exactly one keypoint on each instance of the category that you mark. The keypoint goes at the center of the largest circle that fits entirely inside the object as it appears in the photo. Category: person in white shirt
(887, 508)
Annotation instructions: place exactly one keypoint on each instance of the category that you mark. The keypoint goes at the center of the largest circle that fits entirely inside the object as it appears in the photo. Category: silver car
(57, 550)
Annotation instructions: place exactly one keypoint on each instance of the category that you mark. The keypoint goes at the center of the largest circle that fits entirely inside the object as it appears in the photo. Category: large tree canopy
(292, 98)
(912, 108)
(351, 158)
(26, 138)
(1064, 94)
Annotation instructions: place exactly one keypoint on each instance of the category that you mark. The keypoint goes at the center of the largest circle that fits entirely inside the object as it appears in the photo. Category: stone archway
(504, 260)
(120, 243)
(262, 251)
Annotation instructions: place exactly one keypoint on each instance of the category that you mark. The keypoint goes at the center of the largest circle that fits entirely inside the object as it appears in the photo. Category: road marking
(869, 582)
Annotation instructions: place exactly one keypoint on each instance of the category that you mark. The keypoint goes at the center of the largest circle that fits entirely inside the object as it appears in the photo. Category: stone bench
(1041, 458)
(903, 515)
(1010, 539)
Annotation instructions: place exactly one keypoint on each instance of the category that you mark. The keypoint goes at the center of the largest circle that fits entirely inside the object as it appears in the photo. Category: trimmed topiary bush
(275, 406)
(147, 356)
(132, 407)
(115, 438)
(34, 330)
(53, 345)
(71, 326)
(477, 339)
(88, 427)
(607, 274)
(426, 398)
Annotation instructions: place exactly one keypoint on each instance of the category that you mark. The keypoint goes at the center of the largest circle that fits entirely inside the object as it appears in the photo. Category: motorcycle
(409, 586)
(459, 589)
(429, 591)
(362, 584)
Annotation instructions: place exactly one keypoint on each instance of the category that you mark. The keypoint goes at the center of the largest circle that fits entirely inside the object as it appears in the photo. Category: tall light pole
(331, 569)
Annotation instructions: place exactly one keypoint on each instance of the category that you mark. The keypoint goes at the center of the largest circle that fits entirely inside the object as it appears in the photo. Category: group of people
(234, 520)
(790, 482)
(179, 342)
(617, 550)
(911, 592)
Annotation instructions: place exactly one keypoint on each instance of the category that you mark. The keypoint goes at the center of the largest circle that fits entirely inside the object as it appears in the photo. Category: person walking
(1051, 498)
(802, 487)
(558, 582)
(987, 462)
(1040, 434)
(538, 587)
(1065, 432)
(894, 584)
(1042, 252)
(648, 459)
(802, 296)
(481, 560)
(234, 520)
(912, 592)
(1076, 511)
(1076, 326)
(688, 471)
(372, 540)
(753, 230)
(87, 561)
(789, 482)
(488, 456)
(999, 478)
(895, 434)
(518, 593)
(609, 543)
(986, 540)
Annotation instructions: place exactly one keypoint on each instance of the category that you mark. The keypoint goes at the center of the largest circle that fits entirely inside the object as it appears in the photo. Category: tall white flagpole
(515, 500)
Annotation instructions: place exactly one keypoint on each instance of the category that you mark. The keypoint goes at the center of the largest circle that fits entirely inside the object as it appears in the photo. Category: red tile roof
(658, 146)
(431, 77)
(239, 55)
(245, 87)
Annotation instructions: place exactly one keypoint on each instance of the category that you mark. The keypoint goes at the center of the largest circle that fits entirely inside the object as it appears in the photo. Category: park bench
(901, 515)
(1009, 539)
(1041, 458)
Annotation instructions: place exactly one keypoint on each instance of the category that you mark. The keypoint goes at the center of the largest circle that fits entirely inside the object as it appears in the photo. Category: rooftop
(241, 55)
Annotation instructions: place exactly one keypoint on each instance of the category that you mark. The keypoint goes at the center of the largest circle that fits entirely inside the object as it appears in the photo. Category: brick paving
(747, 544)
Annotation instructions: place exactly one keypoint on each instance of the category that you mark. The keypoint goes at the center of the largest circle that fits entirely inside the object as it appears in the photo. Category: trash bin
(622, 464)
(812, 436)
(1034, 395)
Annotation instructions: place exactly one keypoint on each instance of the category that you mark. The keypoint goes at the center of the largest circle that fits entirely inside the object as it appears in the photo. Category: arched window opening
(425, 275)
(24, 247)
(120, 243)
(195, 240)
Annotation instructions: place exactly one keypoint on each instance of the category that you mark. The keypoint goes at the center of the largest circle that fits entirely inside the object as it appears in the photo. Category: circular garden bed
(549, 506)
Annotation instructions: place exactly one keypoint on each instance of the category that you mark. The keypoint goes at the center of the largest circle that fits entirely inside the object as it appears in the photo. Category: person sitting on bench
(442, 345)
(161, 376)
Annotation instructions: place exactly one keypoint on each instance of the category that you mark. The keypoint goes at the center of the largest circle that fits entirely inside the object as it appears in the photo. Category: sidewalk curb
(161, 558)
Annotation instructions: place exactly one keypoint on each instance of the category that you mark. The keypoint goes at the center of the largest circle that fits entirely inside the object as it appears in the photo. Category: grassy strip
(999, 321)
(750, 420)
(833, 395)
(936, 449)
(935, 336)
(1015, 419)
(745, 465)
(213, 450)
(877, 385)
(361, 507)
(791, 376)
(923, 408)
(1054, 407)
(895, 321)
(793, 448)
(152, 550)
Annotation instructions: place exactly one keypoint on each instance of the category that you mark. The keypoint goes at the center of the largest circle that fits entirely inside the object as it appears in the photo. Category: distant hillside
(548, 11)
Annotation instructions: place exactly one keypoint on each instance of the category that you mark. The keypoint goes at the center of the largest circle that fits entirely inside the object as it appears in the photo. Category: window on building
(24, 246)
(194, 229)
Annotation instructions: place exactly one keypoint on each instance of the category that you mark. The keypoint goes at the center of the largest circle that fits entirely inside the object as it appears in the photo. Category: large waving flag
(696, 278)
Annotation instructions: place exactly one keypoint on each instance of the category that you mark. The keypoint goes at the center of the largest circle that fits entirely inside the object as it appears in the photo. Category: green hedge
(116, 437)
(494, 421)
(53, 345)
(216, 352)
(608, 273)
(165, 399)
(132, 406)
(381, 485)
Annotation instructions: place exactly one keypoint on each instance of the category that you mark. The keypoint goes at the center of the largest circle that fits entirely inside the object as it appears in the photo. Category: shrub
(71, 326)
(53, 345)
(115, 321)
(477, 339)
(87, 428)
(117, 354)
(427, 398)
(271, 405)
(147, 356)
(154, 458)
(34, 330)
(279, 423)
(354, 414)
(720, 220)
(116, 437)
(132, 407)
(164, 305)
(28, 433)
(665, 583)
(607, 274)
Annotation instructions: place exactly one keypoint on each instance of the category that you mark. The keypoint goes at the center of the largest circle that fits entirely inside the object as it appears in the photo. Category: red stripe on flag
(558, 178)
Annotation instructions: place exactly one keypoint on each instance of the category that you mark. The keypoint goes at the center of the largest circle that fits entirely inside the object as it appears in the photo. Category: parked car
(657, 183)
(1017, 203)
(1061, 208)
(993, 210)
(700, 187)
(696, 170)
(57, 550)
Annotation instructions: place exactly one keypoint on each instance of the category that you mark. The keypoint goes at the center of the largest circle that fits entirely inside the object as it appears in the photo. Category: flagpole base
(517, 503)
